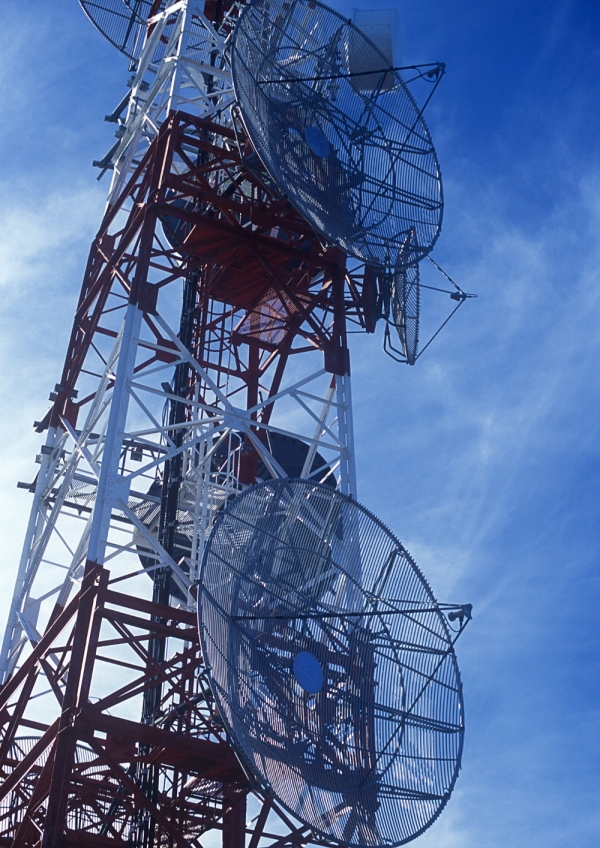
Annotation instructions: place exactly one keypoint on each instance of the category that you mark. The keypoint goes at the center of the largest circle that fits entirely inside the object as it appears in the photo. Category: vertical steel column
(234, 817)
(340, 365)
(35, 527)
(112, 487)
(346, 430)
(87, 627)
(171, 485)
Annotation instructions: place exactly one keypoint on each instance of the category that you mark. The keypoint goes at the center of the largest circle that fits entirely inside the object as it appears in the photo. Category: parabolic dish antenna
(405, 297)
(331, 662)
(406, 304)
(120, 21)
(347, 145)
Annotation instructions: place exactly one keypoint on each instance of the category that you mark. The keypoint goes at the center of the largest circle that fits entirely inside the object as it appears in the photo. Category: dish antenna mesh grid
(349, 147)
(122, 22)
(405, 300)
(331, 663)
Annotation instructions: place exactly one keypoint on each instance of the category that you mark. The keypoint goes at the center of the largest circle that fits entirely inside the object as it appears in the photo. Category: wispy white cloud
(42, 233)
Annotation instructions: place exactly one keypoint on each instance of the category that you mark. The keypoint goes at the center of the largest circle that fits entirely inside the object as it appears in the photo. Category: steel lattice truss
(192, 211)
(92, 767)
(184, 64)
(181, 387)
(236, 379)
(83, 765)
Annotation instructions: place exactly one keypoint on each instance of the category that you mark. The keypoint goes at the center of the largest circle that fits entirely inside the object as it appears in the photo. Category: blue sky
(483, 458)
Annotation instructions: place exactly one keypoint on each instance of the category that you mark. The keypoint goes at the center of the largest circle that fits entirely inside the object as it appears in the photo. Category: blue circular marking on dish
(308, 672)
(317, 142)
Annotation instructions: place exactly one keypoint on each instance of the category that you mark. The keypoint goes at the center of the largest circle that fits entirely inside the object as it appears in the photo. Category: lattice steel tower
(181, 387)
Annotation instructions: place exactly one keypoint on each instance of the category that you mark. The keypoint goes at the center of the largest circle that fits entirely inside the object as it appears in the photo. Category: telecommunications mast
(209, 638)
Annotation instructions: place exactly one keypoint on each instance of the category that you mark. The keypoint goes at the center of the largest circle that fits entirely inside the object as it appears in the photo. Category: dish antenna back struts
(332, 663)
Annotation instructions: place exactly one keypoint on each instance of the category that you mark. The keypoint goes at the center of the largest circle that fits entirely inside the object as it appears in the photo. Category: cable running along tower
(210, 641)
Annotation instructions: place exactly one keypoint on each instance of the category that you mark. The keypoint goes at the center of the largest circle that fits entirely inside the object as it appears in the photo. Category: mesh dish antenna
(406, 308)
(352, 153)
(331, 662)
(122, 22)
(405, 301)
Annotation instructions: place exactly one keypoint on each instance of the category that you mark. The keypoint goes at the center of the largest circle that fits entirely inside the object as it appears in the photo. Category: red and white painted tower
(208, 352)
(182, 384)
